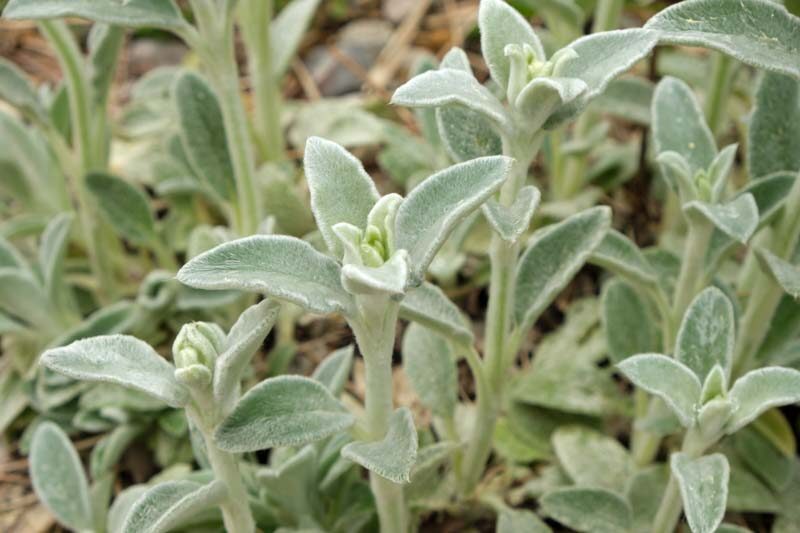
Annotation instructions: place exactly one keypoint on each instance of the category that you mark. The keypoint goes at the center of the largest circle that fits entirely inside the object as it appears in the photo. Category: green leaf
(429, 363)
(52, 250)
(107, 452)
(466, 133)
(618, 254)
(764, 458)
(732, 528)
(437, 88)
(574, 384)
(430, 306)
(542, 96)
(125, 207)
(293, 483)
(394, 456)
(389, 278)
(334, 370)
(588, 510)
(501, 25)
(282, 411)
(553, 257)
(17, 90)
(202, 134)
(119, 359)
(679, 125)
(282, 267)
(426, 475)
(770, 193)
(10, 256)
(746, 494)
(707, 334)
(756, 32)
(627, 322)
(782, 272)
(703, 484)
(58, 478)
(104, 43)
(592, 459)
(601, 58)
(172, 504)
(287, 31)
(629, 98)
(511, 521)
(738, 219)
(135, 13)
(512, 221)
(773, 137)
(244, 338)
(341, 190)
(759, 390)
(435, 207)
(21, 296)
(667, 378)
(645, 492)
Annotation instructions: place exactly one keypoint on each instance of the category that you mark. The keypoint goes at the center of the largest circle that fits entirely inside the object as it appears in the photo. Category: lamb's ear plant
(211, 38)
(381, 248)
(205, 382)
(539, 94)
(698, 387)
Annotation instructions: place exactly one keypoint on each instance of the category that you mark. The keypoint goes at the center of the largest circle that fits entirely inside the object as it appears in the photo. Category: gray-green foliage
(699, 350)
(394, 456)
(737, 30)
(58, 478)
(282, 411)
(429, 363)
(136, 13)
(704, 486)
(125, 207)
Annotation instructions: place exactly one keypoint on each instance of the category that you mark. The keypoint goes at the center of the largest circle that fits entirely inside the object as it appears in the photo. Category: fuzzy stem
(692, 267)
(375, 331)
(606, 15)
(670, 509)
(256, 23)
(205, 415)
(719, 89)
(669, 512)
(766, 294)
(80, 98)
(216, 49)
(503, 257)
(568, 183)
(236, 512)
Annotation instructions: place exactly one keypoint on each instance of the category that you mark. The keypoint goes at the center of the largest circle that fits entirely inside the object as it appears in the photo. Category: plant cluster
(704, 325)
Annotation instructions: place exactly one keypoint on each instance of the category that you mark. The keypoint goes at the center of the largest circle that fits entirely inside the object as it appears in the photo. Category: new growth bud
(195, 351)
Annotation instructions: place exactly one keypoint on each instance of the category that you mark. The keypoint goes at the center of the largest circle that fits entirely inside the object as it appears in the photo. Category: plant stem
(645, 444)
(671, 504)
(216, 48)
(693, 271)
(480, 444)
(670, 509)
(498, 349)
(719, 89)
(255, 20)
(236, 512)
(375, 331)
(606, 15)
(79, 92)
(205, 415)
(766, 294)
